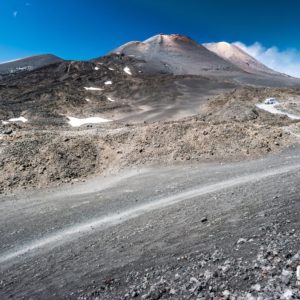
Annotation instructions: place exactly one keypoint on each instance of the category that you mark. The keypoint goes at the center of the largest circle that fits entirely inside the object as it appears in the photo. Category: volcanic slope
(28, 63)
(240, 58)
(180, 55)
(176, 54)
(112, 87)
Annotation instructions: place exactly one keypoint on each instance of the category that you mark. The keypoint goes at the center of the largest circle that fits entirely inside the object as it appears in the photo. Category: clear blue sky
(84, 29)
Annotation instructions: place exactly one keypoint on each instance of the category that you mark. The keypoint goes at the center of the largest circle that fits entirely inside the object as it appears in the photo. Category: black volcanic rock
(28, 63)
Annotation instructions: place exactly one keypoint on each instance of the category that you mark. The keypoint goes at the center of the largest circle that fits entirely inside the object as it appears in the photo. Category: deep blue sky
(85, 29)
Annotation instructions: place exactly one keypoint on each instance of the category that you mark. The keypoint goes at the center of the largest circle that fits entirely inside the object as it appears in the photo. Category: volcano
(180, 55)
(176, 54)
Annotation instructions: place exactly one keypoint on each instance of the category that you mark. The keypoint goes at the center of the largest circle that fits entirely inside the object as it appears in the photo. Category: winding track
(60, 236)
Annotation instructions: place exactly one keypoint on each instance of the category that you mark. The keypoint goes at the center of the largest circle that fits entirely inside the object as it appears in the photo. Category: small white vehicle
(271, 101)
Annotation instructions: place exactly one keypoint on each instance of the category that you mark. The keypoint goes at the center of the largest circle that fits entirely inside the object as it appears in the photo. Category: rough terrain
(185, 189)
(199, 231)
(229, 128)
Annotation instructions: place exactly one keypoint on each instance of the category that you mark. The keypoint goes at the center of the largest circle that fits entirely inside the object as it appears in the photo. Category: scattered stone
(256, 287)
(172, 292)
(287, 295)
(204, 220)
(226, 294)
(286, 276)
(8, 131)
(241, 241)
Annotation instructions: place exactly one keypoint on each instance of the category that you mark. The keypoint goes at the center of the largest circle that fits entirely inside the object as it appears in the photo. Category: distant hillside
(239, 58)
(28, 63)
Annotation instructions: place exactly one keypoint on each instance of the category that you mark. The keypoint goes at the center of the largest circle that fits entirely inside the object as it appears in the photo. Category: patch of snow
(111, 69)
(97, 68)
(5, 122)
(75, 122)
(93, 89)
(87, 99)
(20, 119)
(9, 61)
(298, 273)
(110, 99)
(127, 71)
(109, 82)
(20, 69)
(27, 68)
(271, 108)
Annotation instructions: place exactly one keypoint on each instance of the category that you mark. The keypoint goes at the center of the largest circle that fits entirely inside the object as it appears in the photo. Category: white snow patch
(111, 69)
(271, 108)
(87, 99)
(5, 122)
(75, 122)
(93, 89)
(20, 119)
(110, 99)
(13, 60)
(109, 82)
(127, 71)
(97, 68)
(298, 273)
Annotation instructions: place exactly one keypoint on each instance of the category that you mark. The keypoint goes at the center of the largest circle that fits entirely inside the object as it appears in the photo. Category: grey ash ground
(235, 235)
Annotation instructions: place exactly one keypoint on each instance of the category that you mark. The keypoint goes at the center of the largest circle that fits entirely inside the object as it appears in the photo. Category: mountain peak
(226, 50)
(176, 54)
(171, 38)
(238, 57)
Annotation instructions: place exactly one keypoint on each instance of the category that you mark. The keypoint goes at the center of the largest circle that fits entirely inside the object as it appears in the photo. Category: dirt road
(102, 238)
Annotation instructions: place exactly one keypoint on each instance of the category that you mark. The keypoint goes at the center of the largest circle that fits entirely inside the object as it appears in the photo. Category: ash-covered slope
(176, 54)
(240, 58)
(179, 55)
(111, 88)
(28, 63)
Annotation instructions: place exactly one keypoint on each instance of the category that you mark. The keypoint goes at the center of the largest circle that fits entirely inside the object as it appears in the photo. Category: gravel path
(202, 231)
